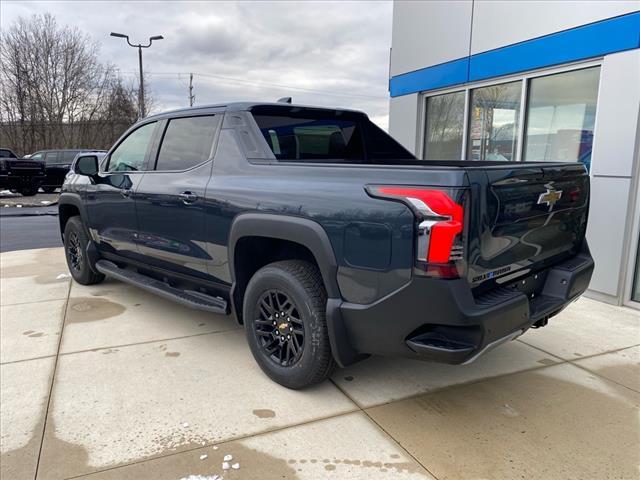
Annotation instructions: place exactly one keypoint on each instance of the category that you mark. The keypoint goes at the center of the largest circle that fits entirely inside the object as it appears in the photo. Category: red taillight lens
(444, 216)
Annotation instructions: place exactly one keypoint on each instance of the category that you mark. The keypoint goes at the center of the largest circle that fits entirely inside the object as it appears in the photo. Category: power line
(273, 85)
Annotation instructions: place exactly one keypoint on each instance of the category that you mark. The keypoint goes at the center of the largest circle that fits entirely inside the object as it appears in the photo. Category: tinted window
(6, 153)
(131, 153)
(445, 127)
(68, 156)
(52, 157)
(187, 142)
(300, 134)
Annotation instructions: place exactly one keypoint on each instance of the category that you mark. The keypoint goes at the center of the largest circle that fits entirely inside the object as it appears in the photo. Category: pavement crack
(53, 379)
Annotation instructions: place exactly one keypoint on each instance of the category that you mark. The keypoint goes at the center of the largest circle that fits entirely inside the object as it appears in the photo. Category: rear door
(171, 197)
(525, 218)
(111, 197)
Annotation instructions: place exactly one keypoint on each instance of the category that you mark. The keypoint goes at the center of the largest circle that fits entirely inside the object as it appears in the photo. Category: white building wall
(428, 33)
(403, 120)
(497, 23)
(613, 163)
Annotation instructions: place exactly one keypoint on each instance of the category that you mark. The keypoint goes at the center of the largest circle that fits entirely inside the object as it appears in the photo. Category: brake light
(440, 220)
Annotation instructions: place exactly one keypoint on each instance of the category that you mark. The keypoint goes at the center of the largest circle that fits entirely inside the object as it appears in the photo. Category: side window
(187, 142)
(51, 157)
(131, 153)
(69, 155)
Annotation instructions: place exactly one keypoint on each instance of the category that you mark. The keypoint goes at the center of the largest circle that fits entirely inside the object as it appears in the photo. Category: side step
(189, 298)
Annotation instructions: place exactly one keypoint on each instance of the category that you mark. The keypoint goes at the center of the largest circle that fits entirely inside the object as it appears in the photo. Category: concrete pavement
(110, 382)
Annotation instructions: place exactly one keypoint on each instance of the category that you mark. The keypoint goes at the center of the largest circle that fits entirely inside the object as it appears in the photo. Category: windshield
(328, 136)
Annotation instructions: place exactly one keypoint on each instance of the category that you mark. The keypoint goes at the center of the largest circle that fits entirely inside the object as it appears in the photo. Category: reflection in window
(561, 113)
(493, 126)
(445, 125)
(187, 142)
(130, 154)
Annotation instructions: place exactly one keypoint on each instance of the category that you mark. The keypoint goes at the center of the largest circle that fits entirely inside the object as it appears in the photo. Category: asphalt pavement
(23, 231)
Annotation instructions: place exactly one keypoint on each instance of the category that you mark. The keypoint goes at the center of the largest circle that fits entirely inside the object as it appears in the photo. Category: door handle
(126, 193)
(188, 197)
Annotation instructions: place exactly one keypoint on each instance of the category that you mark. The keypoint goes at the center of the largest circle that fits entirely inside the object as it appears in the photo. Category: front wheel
(75, 248)
(284, 318)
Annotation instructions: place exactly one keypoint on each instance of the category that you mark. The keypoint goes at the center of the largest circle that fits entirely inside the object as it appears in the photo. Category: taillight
(440, 221)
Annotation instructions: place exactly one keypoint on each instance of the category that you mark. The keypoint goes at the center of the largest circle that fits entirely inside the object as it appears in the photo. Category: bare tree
(55, 93)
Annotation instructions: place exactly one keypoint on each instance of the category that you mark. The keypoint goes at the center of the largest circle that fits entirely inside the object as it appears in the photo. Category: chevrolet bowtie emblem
(550, 197)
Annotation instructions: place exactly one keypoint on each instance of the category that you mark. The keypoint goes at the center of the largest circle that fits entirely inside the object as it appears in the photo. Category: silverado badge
(550, 197)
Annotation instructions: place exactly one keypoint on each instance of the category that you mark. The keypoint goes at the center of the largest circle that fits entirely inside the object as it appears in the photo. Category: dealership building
(531, 81)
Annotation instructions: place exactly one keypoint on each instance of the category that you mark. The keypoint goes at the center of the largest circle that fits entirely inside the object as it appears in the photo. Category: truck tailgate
(524, 218)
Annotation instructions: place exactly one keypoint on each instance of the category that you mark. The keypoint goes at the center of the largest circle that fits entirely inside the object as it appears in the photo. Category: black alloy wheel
(279, 329)
(74, 250)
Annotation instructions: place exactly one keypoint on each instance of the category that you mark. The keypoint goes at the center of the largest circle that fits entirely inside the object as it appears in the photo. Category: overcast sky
(338, 50)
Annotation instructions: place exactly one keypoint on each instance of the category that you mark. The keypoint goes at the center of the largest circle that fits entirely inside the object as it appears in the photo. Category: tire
(300, 283)
(48, 189)
(75, 249)
(29, 191)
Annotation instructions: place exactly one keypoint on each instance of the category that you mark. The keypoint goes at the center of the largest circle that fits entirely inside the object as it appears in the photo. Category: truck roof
(244, 106)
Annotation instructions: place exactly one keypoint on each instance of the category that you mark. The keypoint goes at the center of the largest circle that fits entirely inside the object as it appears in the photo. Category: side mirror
(87, 165)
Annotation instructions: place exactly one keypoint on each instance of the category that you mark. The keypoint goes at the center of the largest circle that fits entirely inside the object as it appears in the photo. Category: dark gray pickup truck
(326, 238)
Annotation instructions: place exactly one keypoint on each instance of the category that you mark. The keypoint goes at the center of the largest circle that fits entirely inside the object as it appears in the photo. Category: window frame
(162, 131)
(525, 78)
(147, 154)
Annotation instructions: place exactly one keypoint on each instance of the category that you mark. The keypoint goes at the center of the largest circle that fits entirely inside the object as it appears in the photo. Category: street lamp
(139, 47)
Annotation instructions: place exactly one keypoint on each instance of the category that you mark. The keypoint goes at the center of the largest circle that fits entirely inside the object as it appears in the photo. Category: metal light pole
(139, 46)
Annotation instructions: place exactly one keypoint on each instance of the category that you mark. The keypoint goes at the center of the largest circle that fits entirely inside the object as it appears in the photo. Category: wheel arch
(70, 205)
(311, 236)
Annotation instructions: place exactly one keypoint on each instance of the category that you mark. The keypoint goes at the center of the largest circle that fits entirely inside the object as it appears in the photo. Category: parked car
(326, 238)
(20, 174)
(57, 163)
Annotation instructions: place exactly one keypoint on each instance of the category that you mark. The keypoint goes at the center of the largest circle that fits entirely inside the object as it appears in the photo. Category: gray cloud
(338, 47)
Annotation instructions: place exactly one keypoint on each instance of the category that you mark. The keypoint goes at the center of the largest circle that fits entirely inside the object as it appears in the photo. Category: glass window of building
(445, 127)
(561, 112)
(493, 124)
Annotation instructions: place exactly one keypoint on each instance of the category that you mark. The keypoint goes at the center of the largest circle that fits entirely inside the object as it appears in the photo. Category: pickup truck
(327, 239)
(20, 174)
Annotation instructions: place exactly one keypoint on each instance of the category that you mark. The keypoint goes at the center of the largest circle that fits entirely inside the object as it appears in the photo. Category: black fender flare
(311, 235)
(294, 229)
(74, 199)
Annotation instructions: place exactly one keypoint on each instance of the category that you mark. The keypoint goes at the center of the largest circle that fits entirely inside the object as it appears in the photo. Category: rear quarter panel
(372, 239)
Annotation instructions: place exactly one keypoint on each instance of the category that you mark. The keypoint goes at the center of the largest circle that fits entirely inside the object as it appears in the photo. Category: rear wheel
(75, 247)
(285, 323)
(29, 191)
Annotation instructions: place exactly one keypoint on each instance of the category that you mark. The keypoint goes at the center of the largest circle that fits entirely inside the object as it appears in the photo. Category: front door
(111, 197)
(170, 197)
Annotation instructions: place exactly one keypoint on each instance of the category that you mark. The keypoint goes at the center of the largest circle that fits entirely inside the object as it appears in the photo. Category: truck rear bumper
(441, 320)
(19, 181)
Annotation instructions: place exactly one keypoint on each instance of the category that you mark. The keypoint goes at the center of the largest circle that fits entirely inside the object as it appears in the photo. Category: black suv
(57, 165)
(326, 238)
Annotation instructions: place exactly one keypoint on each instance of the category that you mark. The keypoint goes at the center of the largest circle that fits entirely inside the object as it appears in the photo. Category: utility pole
(192, 97)
(141, 89)
(141, 106)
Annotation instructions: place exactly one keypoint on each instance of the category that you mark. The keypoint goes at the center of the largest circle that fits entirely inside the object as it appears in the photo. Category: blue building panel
(588, 41)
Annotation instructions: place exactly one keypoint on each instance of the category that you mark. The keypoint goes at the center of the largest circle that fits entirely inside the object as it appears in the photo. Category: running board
(189, 298)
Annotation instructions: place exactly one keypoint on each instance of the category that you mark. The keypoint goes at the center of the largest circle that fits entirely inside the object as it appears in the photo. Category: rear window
(187, 142)
(4, 153)
(313, 135)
